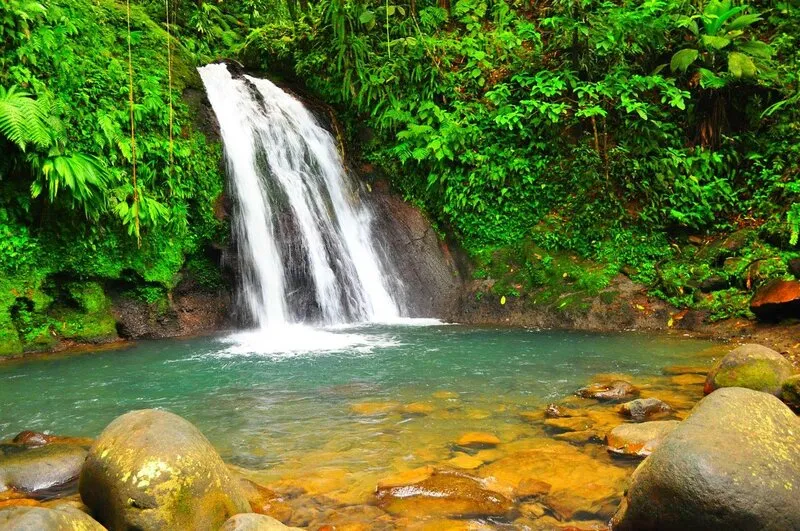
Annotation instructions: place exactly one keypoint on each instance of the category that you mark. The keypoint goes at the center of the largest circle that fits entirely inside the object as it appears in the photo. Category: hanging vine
(169, 81)
(133, 132)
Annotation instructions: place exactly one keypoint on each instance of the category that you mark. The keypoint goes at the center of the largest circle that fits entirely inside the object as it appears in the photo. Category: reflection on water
(323, 417)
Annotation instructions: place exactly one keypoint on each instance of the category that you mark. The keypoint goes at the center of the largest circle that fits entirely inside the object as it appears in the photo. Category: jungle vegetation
(559, 142)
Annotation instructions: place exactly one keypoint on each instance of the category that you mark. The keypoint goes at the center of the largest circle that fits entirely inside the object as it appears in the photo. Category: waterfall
(303, 233)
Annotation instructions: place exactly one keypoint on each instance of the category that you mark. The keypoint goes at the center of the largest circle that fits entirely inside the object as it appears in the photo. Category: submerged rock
(638, 440)
(570, 423)
(733, 464)
(752, 366)
(554, 411)
(62, 518)
(41, 471)
(478, 439)
(779, 299)
(253, 522)
(35, 438)
(151, 469)
(265, 501)
(644, 408)
(443, 494)
(616, 390)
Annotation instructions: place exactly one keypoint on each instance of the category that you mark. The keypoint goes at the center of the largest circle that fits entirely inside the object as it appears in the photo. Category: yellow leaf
(503, 299)
(639, 307)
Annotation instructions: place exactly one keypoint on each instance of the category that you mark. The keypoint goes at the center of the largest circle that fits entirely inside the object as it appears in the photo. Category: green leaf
(715, 42)
(683, 59)
(710, 80)
(758, 49)
(743, 21)
(367, 17)
(741, 65)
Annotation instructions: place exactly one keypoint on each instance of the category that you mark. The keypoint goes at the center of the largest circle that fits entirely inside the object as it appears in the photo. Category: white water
(304, 237)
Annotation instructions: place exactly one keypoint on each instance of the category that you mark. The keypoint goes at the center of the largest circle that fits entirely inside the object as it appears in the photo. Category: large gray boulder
(151, 469)
(40, 470)
(733, 464)
(751, 366)
(43, 519)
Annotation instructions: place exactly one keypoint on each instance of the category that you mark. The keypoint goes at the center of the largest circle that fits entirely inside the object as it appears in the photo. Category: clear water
(295, 411)
(304, 237)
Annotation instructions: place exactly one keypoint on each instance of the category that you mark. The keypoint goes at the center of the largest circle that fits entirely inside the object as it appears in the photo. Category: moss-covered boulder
(40, 471)
(62, 518)
(790, 392)
(733, 464)
(151, 469)
(254, 522)
(751, 366)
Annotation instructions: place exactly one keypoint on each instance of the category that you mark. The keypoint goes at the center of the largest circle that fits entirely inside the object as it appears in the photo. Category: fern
(24, 120)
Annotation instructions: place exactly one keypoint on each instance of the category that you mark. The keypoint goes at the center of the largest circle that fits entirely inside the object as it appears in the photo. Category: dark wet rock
(644, 408)
(429, 268)
(638, 440)
(713, 283)
(777, 300)
(43, 519)
(616, 390)
(790, 392)
(554, 411)
(253, 522)
(41, 472)
(33, 438)
(151, 469)
(794, 267)
(751, 366)
(443, 494)
(733, 464)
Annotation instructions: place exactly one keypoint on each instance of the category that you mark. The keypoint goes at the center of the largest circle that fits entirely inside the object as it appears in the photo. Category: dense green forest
(560, 142)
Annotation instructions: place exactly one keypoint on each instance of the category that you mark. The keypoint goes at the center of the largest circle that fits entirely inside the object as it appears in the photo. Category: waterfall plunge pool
(321, 416)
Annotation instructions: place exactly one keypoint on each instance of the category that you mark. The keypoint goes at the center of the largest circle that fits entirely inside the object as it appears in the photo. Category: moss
(609, 296)
(759, 375)
(92, 319)
(10, 343)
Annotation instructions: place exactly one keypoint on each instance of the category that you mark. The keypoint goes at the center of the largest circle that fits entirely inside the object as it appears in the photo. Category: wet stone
(612, 391)
(644, 408)
(638, 440)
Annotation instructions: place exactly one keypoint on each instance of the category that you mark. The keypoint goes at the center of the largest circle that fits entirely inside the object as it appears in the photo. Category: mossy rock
(751, 366)
(151, 469)
(61, 518)
(790, 392)
(733, 464)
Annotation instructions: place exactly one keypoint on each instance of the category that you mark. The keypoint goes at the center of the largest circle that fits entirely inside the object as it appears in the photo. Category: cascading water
(306, 248)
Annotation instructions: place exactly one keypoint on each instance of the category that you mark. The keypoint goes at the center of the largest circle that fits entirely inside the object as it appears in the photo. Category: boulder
(644, 408)
(751, 366)
(615, 390)
(151, 469)
(733, 464)
(62, 518)
(790, 392)
(778, 299)
(638, 440)
(443, 494)
(253, 522)
(42, 471)
(794, 267)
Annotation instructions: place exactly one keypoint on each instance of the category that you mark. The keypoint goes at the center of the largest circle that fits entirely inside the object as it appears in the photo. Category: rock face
(40, 471)
(253, 522)
(443, 494)
(425, 264)
(638, 440)
(616, 390)
(43, 519)
(733, 464)
(151, 469)
(779, 299)
(644, 408)
(751, 366)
